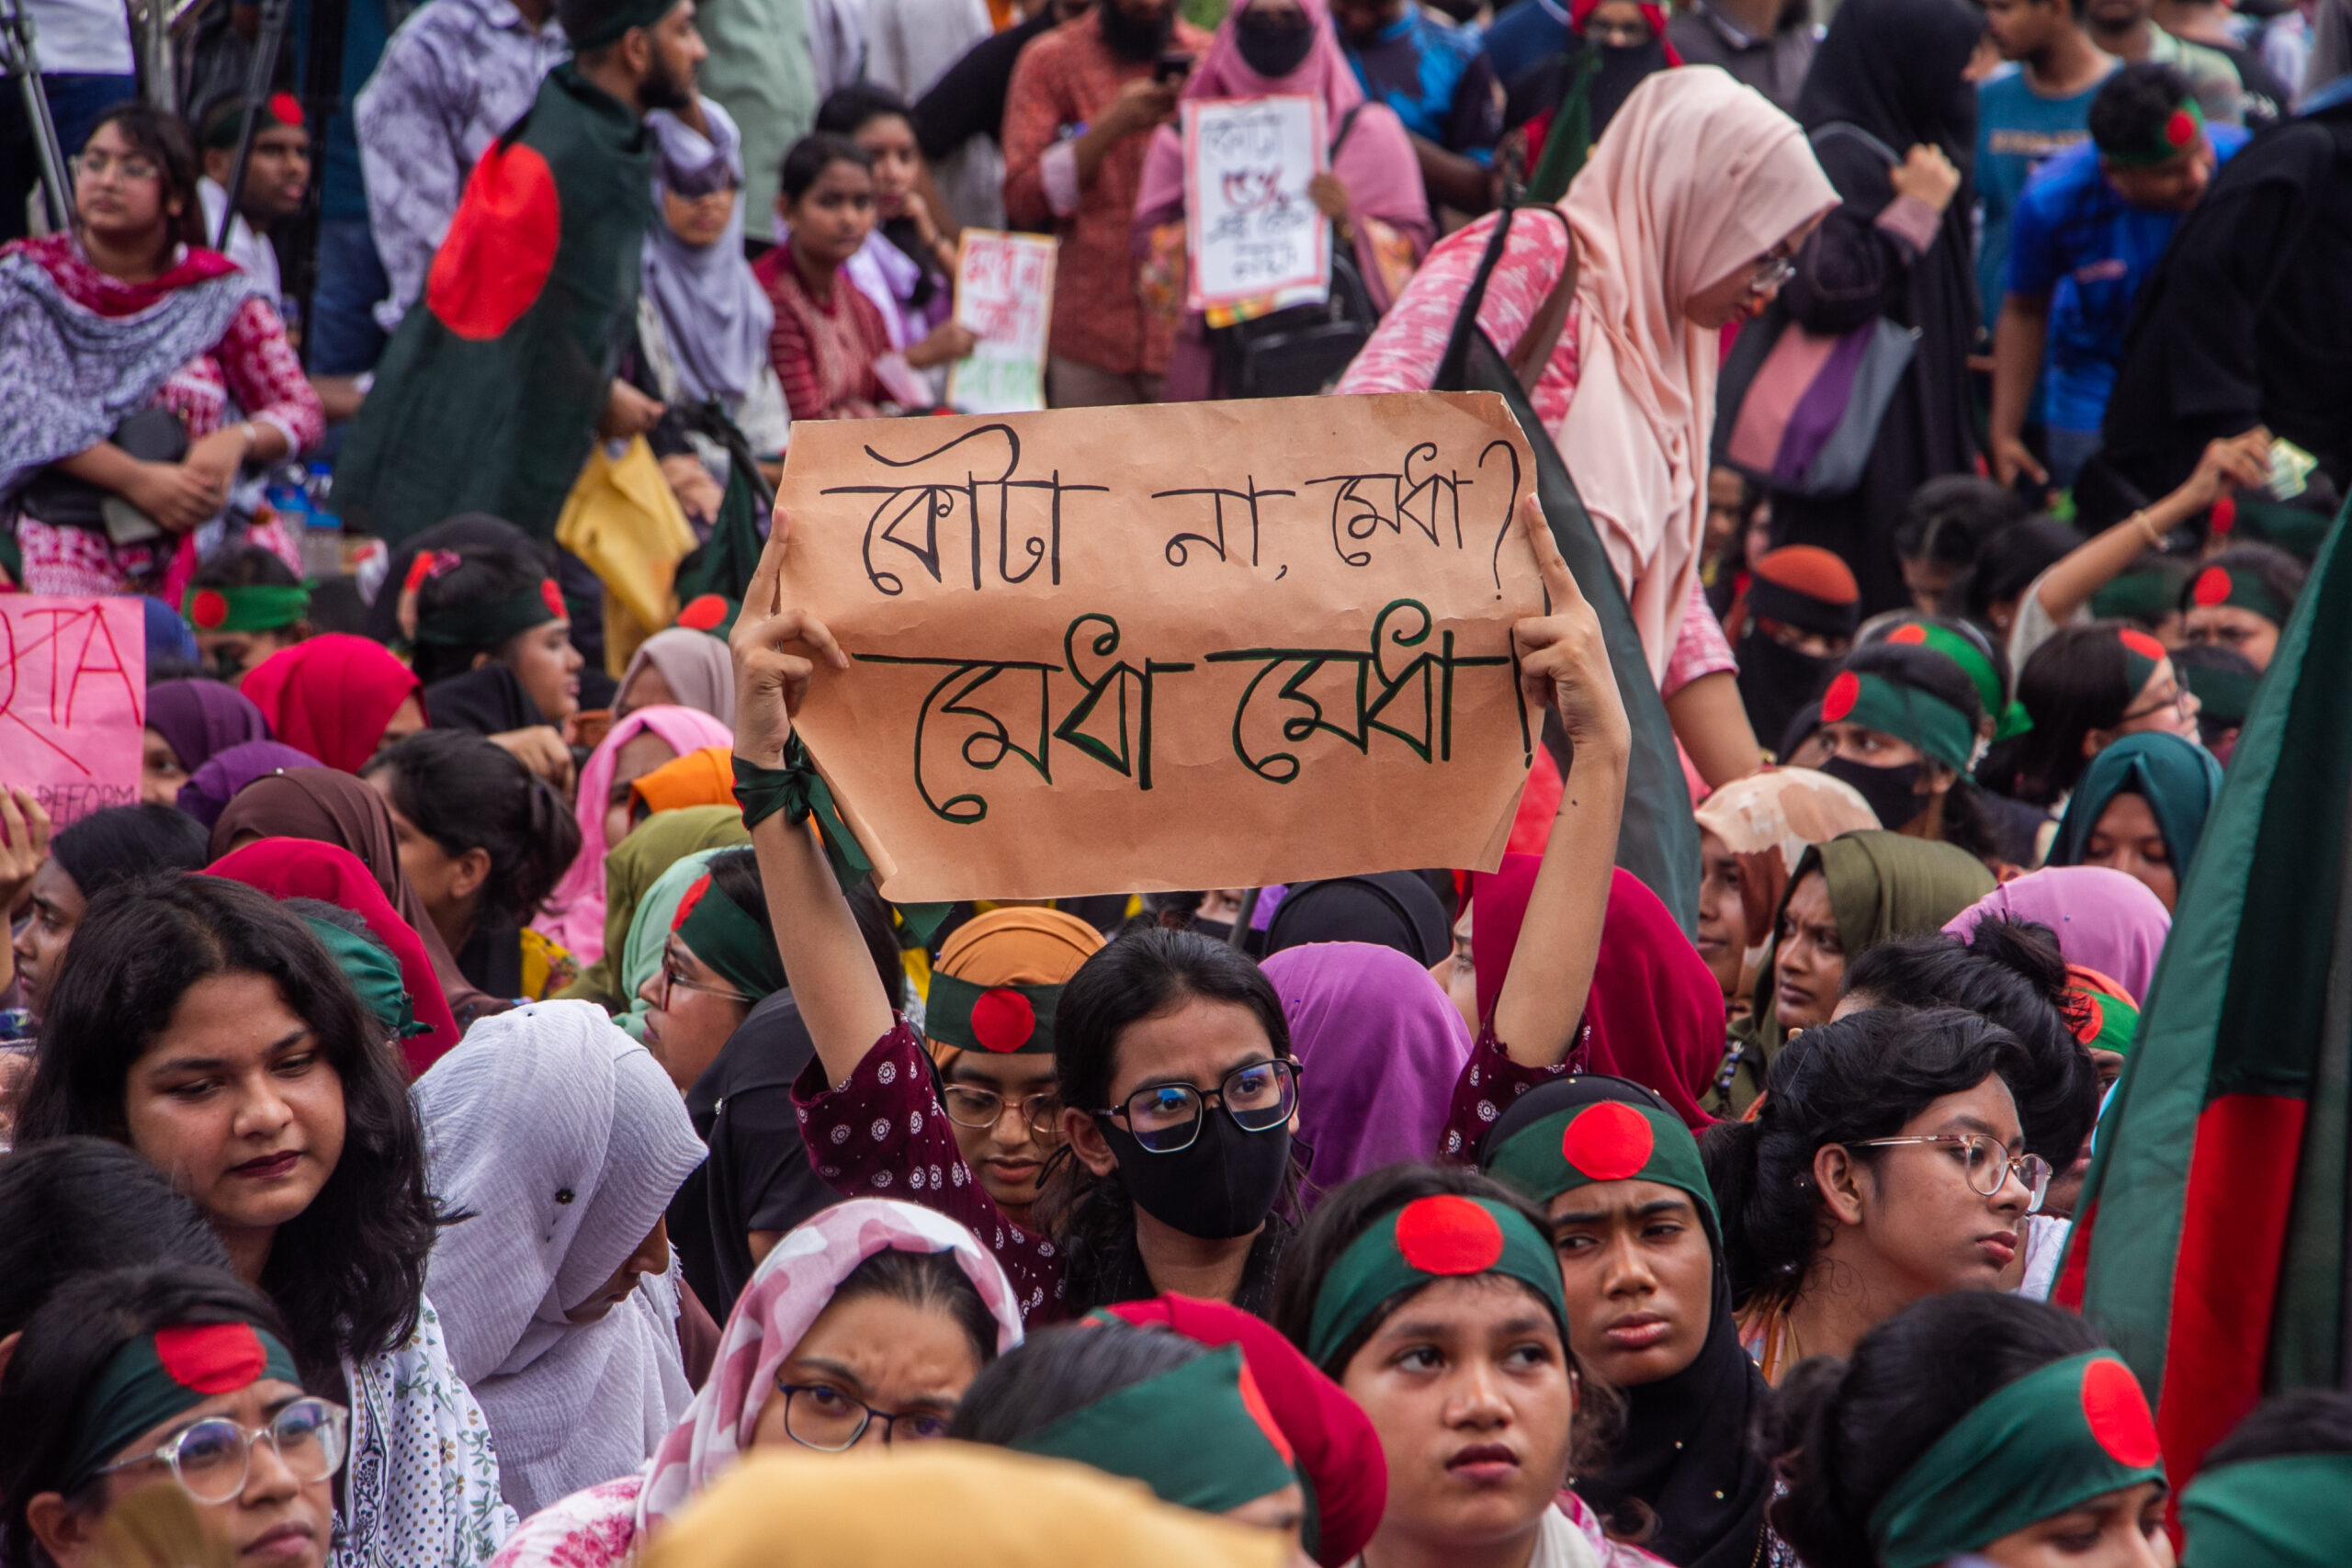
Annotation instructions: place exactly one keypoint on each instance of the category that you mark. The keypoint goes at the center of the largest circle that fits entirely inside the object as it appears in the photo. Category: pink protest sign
(73, 700)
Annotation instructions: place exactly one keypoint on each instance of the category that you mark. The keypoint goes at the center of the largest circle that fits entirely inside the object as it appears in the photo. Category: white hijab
(563, 1142)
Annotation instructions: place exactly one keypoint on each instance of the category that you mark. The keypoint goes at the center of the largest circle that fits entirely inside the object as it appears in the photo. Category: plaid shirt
(1063, 80)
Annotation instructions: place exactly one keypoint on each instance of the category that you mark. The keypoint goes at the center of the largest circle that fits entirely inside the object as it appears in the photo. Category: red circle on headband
(286, 108)
(1609, 1142)
(501, 245)
(552, 597)
(1254, 1402)
(2212, 586)
(209, 610)
(1911, 635)
(686, 905)
(2224, 514)
(1003, 1021)
(2143, 645)
(211, 1358)
(2118, 1413)
(2181, 130)
(1839, 699)
(1449, 1235)
(2090, 1016)
(702, 613)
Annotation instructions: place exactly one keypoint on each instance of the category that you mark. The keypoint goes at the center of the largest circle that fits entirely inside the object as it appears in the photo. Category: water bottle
(322, 529)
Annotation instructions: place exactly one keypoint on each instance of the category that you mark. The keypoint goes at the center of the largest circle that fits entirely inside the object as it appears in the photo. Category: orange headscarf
(705, 777)
(1017, 945)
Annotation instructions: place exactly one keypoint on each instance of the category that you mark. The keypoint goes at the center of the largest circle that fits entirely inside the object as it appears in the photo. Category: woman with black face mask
(1372, 193)
(1174, 1085)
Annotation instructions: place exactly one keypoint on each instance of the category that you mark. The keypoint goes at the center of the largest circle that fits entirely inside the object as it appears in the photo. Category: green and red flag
(2209, 1243)
(488, 398)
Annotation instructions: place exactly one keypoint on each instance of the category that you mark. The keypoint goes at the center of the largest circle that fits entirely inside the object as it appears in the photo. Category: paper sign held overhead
(73, 700)
(1250, 228)
(1202, 645)
(1004, 294)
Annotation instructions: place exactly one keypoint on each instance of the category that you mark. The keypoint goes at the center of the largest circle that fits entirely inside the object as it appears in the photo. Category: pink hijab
(2104, 919)
(573, 918)
(1695, 176)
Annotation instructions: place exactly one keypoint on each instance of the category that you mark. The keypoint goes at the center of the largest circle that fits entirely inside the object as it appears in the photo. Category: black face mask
(1274, 46)
(1130, 40)
(1222, 1187)
(1892, 791)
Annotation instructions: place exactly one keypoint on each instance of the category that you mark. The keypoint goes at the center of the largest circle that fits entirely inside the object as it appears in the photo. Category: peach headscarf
(1020, 945)
(1695, 176)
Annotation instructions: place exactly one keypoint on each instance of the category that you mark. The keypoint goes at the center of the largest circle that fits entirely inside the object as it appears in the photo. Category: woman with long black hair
(205, 1028)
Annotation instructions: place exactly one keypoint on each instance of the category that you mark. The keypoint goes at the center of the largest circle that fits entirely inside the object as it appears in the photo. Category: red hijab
(305, 868)
(1339, 1451)
(1656, 1010)
(331, 696)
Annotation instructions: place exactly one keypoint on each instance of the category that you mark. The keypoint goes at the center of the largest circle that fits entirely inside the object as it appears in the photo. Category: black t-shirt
(758, 1176)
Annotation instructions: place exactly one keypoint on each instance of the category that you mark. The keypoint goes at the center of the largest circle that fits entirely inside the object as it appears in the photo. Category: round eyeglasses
(982, 1109)
(818, 1415)
(1165, 1118)
(209, 1458)
(1988, 1164)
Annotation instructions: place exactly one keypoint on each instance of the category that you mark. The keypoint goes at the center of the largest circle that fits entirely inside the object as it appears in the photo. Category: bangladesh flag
(488, 398)
(2209, 1244)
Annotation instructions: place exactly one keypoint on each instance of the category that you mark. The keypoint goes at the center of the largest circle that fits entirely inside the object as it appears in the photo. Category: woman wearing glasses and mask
(1171, 1056)
(859, 1332)
(1887, 1164)
(157, 1377)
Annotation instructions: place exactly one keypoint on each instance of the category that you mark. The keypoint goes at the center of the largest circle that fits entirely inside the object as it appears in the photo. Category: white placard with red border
(1250, 228)
(1004, 296)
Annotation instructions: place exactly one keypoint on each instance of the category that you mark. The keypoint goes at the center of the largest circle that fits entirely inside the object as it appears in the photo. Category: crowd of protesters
(464, 1069)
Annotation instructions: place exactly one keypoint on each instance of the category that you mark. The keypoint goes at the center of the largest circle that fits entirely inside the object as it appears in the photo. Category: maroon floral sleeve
(883, 1134)
(1490, 1080)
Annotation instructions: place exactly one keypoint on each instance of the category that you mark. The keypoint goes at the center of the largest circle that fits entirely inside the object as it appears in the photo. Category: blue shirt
(2075, 241)
(2017, 131)
(1434, 76)
(1528, 35)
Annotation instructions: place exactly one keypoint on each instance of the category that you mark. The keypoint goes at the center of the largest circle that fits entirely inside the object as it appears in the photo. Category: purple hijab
(2104, 919)
(210, 789)
(199, 719)
(1379, 1046)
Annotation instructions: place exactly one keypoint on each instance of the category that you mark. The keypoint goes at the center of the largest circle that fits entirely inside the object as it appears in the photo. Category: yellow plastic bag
(622, 519)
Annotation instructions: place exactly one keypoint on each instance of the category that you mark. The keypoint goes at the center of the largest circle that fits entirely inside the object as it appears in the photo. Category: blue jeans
(343, 337)
(75, 103)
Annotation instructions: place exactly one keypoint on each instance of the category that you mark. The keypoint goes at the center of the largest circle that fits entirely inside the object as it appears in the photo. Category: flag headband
(156, 1376)
(1605, 1140)
(730, 940)
(710, 613)
(1976, 665)
(2057, 1436)
(1442, 1237)
(258, 607)
(1201, 1435)
(2243, 588)
(2141, 654)
(1924, 719)
(997, 1019)
(2177, 135)
(487, 623)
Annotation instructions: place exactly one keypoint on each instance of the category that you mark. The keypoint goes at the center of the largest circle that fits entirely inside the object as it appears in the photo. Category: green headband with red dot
(1607, 1140)
(1906, 713)
(1442, 1237)
(2241, 588)
(156, 1376)
(1001, 1020)
(258, 607)
(2168, 141)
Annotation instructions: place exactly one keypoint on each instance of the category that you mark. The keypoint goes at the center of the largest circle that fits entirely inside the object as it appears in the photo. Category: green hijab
(632, 869)
(1882, 885)
(2177, 778)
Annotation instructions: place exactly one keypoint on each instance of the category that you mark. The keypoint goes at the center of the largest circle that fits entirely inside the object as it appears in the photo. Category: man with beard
(277, 176)
(452, 79)
(1079, 117)
(491, 396)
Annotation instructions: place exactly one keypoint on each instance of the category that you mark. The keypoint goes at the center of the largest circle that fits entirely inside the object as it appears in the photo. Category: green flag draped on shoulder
(2209, 1245)
(489, 396)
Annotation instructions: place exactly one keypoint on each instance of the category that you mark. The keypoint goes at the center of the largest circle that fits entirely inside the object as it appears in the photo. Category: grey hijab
(717, 315)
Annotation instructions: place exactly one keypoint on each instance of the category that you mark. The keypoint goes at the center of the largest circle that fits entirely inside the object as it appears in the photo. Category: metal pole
(258, 72)
(150, 44)
(1241, 932)
(20, 60)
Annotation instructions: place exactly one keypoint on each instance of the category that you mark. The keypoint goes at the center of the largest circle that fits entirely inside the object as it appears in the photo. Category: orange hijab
(704, 777)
